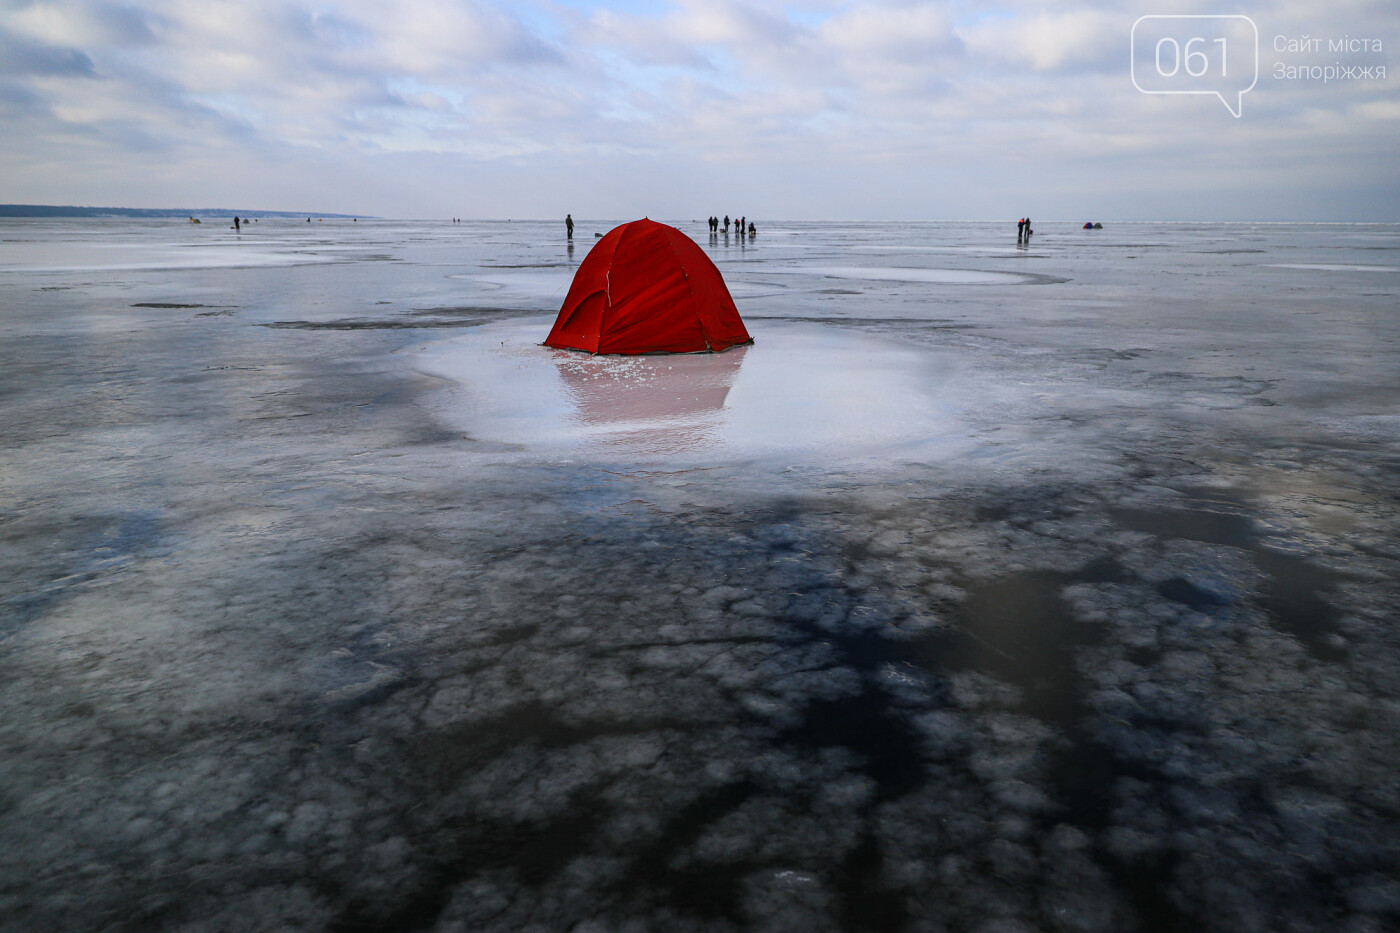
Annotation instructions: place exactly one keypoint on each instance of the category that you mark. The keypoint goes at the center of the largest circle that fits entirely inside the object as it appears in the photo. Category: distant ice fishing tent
(647, 288)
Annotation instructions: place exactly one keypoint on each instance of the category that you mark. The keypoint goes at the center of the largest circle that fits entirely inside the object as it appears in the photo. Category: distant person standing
(1028, 228)
(726, 225)
(235, 223)
(569, 225)
(1020, 228)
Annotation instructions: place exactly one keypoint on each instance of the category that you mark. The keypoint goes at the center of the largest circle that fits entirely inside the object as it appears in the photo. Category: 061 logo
(1207, 54)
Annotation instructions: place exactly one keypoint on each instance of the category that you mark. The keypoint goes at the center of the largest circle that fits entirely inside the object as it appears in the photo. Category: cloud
(80, 22)
(21, 56)
(908, 33)
(805, 92)
(1052, 41)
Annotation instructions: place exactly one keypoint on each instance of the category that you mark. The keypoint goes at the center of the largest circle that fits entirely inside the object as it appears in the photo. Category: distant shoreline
(57, 210)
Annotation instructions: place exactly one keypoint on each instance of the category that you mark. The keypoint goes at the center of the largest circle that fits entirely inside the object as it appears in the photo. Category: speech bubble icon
(1207, 54)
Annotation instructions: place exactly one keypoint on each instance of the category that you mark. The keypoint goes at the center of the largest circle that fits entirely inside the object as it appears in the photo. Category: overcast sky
(807, 109)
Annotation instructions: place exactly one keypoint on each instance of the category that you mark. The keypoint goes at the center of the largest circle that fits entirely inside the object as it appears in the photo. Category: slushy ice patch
(799, 391)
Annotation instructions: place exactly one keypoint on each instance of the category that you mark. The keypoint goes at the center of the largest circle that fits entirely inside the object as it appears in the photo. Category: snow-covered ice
(993, 587)
(803, 392)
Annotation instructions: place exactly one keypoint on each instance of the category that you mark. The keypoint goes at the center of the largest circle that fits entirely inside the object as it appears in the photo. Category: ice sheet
(103, 245)
(1333, 267)
(905, 274)
(946, 605)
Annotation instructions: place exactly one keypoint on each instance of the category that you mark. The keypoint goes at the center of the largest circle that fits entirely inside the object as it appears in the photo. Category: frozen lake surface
(992, 588)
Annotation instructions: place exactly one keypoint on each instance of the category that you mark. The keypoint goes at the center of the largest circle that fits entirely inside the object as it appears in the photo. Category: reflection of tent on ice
(660, 389)
(647, 288)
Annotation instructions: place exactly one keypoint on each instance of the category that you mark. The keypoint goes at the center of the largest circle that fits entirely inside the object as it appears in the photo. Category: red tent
(647, 288)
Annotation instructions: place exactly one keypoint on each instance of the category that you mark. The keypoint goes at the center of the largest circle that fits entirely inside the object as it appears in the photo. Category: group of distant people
(1023, 229)
(715, 224)
(239, 222)
(739, 226)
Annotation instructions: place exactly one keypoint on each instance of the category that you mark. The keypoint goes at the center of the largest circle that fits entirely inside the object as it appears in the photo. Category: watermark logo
(1208, 54)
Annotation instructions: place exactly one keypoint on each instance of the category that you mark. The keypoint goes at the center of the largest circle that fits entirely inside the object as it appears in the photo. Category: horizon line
(6, 213)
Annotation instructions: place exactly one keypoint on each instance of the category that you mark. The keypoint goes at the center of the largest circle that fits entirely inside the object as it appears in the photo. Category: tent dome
(647, 288)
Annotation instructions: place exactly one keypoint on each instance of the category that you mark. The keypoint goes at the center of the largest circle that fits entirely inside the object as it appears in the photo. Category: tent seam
(694, 303)
(607, 290)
